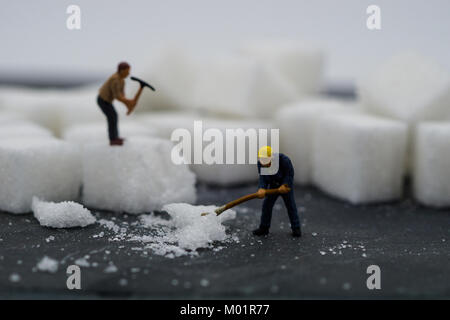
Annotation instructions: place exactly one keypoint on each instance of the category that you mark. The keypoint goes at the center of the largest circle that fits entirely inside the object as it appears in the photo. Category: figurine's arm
(130, 103)
(262, 186)
(288, 178)
(135, 100)
(119, 94)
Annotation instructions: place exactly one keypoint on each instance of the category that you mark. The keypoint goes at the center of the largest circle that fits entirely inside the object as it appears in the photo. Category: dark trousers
(289, 201)
(111, 116)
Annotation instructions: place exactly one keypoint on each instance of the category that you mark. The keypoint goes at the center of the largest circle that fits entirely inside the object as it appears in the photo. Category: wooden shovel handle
(240, 200)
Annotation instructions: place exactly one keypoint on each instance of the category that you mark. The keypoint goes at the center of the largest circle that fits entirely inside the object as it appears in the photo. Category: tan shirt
(112, 88)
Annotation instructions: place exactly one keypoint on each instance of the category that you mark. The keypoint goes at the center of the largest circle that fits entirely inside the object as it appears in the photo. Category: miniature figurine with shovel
(281, 183)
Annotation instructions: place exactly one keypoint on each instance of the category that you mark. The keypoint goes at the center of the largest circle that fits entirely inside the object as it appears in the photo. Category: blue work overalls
(284, 175)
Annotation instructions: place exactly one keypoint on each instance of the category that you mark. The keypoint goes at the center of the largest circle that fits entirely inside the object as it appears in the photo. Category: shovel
(240, 200)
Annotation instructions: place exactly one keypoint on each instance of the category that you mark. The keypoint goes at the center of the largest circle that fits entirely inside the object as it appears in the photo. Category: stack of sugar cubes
(215, 172)
(41, 166)
(359, 151)
(240, 90)
(56, 110)
(81, 167)
(414, 90)
(32, 161)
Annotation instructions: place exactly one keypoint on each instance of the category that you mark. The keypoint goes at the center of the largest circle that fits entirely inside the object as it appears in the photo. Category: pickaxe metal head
(142, 83)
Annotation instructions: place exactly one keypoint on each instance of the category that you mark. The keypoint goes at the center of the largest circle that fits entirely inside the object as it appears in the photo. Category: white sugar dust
(185, 230)
(67, 214)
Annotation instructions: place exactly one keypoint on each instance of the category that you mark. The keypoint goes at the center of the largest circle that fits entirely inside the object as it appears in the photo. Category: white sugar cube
(39, 106)
(23, 129)
(300, 64)
(220, 174)
(42, 167)
(67, 214)
(80, 107)
(431, 177)
(297, 122)
(137, 177)
(407, 87)
(240, 86)
(10, 117)
(164, 123)
(98, 132)
(56, 109)
(172, 71)
(234, 173)
(360, 158)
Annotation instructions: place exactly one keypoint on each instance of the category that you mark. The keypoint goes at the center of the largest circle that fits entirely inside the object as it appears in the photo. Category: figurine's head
(265, 156)
(123, 69)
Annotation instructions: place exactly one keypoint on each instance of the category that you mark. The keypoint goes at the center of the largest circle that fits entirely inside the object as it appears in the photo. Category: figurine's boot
(296, 232)
(116, 142)
(261, 231)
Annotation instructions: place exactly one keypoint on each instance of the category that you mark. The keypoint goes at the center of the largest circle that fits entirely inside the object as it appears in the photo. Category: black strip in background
(173, 309)
(68, 80)
(45, 80)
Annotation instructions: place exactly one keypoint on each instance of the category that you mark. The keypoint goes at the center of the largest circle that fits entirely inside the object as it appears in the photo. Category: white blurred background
(36, 42)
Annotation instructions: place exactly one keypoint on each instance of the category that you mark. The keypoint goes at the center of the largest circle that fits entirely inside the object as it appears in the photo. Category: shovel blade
(218, 211)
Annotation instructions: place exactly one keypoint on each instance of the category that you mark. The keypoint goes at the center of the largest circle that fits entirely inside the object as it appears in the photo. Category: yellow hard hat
(265, 154)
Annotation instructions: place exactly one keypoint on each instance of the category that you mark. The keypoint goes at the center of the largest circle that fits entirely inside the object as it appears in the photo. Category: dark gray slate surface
(410, 244)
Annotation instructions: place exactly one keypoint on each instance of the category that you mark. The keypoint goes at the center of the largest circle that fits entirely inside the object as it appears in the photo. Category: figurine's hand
(261, 193)
(284, 189)
(130, 106)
